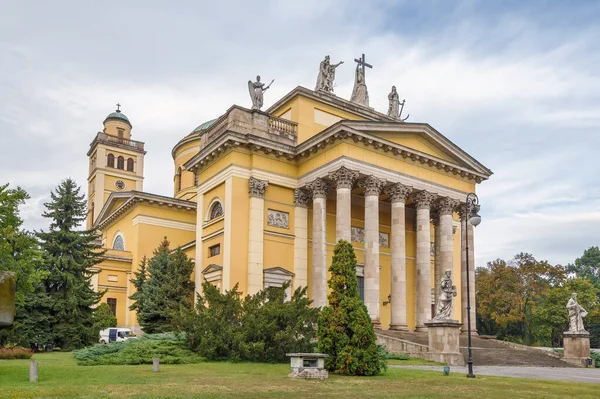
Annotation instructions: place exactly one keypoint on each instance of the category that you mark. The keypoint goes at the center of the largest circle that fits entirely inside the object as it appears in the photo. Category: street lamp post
(471, 216)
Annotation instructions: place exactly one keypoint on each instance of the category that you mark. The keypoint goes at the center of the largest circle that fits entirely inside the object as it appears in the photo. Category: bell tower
(116, 163)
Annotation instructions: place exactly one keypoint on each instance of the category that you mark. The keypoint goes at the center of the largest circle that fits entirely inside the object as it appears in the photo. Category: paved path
(542, 373)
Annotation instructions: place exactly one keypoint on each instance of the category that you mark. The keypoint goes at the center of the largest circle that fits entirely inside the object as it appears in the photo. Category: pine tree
(69, 255)
(167, 289)
(345, 331)
(138, 282)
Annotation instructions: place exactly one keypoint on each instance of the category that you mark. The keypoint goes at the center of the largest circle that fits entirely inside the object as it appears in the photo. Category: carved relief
(278, 219)
(357, 234)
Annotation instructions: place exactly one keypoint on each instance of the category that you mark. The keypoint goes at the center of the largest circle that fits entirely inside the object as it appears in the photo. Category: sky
(515, 84)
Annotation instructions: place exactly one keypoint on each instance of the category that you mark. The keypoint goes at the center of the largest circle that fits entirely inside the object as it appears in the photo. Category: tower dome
(118, 116)
(205, 125)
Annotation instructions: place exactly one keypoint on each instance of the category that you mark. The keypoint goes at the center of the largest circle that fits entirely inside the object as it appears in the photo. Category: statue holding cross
(360, 94)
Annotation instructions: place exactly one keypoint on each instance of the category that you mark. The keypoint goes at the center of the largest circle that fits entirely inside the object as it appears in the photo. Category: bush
(169, 348)
(345, 330)
(15, 352)
(261, 327)
(596, 358)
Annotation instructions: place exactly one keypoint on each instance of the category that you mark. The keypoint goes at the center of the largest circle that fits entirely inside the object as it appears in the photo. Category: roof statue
(360, 94)
(256, 90)
(326, 75)
(395, 106)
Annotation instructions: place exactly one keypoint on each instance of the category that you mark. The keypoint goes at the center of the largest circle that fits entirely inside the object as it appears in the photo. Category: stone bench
(307, 365)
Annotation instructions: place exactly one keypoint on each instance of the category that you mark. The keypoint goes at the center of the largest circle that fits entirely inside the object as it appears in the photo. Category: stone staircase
(486, 352)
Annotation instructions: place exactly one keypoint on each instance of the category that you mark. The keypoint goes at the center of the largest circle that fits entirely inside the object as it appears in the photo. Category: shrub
(261, 327)
(15, 352)
(345, 331)
(167, 347)
(596, 358)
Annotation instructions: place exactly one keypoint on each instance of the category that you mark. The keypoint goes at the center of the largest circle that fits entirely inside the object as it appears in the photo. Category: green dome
(205, 125)
(119, 116)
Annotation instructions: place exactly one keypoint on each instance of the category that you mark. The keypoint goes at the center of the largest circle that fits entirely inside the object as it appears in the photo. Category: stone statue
(360, 94)
(394, 101)
(447, 294)
(326, 75)
(576, 315)
(256, 90)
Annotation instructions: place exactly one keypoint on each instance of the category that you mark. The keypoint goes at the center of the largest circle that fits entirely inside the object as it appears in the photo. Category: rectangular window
(214, 250)
(112, 304)
(361, 287)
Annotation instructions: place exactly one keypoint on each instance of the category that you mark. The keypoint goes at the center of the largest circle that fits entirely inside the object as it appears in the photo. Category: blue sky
(516, 84)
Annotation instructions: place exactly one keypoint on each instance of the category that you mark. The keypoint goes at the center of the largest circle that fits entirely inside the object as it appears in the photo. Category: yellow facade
(215, 164)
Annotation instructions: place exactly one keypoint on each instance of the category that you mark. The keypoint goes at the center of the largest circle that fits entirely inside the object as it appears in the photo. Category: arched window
(110, 162)
(216, 210)
(178, 180)
(118, 243)
(130, 164)
(120, 162)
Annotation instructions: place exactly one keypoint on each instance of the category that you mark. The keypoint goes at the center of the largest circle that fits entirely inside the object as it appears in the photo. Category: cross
(118, 106)
(361, 61)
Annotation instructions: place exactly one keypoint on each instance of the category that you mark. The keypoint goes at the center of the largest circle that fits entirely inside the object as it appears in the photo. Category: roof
(205, 125)
(119, 116)
(133, 197)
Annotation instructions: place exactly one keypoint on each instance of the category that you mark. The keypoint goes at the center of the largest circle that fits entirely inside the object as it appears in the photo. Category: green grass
(61, 377)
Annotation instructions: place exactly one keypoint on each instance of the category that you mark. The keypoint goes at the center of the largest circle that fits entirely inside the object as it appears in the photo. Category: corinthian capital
(372, 185)
(343, 177)
(424, 199)
(446, 205)
(257, 187)
(398, 192)
(319, 188)
(301, 197)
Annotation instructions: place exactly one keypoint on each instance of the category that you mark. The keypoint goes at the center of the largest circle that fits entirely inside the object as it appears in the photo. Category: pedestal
(577, 348)
(444, 342)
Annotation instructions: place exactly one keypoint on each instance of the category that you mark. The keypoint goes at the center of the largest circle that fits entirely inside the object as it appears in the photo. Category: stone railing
(282, 126)
(108, 139)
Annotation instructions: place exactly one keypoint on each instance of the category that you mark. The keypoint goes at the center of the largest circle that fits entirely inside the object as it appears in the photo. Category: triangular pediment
(212, 268)
(278, 270)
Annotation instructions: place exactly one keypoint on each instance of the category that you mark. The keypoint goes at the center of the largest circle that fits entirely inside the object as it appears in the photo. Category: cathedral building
(261, 197)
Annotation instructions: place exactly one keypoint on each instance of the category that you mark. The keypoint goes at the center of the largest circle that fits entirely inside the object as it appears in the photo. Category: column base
(399, 327)
(376, 324)
(421, 329)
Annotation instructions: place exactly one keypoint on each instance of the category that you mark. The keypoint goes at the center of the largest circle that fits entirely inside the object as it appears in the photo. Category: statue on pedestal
(360, 94)
(256, 90)
(326, 75)
(576, 315)
(394, 104)
(447, 294)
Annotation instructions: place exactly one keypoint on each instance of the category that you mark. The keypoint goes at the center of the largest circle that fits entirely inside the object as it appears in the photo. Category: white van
(115, 335)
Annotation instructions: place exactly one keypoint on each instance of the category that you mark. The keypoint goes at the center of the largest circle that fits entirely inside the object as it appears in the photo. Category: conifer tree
(167, 289)
(69, 255)
(345, 331)
(138, 282)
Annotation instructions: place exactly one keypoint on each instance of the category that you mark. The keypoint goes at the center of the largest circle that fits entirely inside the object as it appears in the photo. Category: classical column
(437, 268)
(301, 198)
(319, 189)
(343, 179)
(445, 238)
(423, 200)
(463, 271)
(372, 186)
(255, 234)
(398, 194)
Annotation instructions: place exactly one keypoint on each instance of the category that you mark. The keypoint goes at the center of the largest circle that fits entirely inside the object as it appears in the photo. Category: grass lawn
(61, 377)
